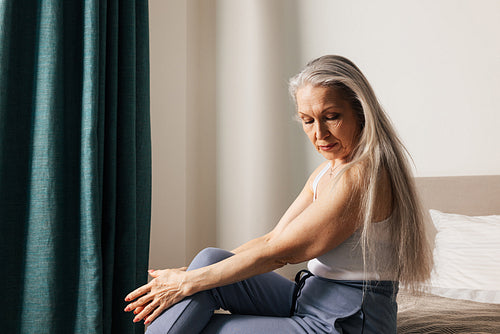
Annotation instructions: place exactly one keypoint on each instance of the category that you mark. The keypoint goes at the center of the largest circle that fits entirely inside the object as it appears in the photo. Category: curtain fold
(75, 163)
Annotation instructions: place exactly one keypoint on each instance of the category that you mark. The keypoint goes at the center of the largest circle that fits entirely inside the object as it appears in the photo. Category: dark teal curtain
(75, 164)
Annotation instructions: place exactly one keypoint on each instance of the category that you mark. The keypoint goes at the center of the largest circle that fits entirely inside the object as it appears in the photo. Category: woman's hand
(163, 291)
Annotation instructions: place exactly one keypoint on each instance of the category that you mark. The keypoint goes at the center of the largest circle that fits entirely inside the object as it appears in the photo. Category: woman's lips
(328, 147)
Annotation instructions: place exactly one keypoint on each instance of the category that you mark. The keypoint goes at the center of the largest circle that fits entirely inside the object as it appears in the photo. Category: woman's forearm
(242, 265)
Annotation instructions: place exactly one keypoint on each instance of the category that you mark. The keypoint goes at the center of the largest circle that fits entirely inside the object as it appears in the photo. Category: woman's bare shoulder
(353, 177)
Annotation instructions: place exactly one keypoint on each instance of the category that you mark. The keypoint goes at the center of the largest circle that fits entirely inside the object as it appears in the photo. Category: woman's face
(329, 121)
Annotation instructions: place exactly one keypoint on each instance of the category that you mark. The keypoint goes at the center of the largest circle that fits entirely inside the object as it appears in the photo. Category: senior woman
(357, 220)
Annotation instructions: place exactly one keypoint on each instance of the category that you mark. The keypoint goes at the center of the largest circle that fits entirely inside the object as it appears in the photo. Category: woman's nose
(321, 131)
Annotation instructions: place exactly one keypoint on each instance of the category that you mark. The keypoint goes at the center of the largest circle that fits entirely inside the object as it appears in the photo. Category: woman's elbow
(280, 255)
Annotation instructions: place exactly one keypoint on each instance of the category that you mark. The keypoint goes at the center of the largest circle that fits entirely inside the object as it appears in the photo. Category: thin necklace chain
(333, 169)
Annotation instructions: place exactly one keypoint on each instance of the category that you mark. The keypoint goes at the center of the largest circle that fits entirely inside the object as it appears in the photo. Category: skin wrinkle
(328, 119)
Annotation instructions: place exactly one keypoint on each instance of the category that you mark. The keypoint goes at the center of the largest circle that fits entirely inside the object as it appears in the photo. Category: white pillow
(466, 257)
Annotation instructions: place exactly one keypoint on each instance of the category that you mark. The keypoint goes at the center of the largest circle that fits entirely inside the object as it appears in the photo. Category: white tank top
(345, 262)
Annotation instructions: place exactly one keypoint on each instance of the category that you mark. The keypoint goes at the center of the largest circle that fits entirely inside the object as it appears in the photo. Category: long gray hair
(379, 149)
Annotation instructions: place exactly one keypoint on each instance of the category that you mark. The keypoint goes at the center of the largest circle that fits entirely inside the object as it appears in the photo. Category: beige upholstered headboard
(466, 195)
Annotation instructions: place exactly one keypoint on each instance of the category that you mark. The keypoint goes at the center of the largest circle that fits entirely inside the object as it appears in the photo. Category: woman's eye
(308, 121)
(332, 117)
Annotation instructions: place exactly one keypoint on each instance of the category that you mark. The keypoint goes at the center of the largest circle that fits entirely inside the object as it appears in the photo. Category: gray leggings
(270, 303)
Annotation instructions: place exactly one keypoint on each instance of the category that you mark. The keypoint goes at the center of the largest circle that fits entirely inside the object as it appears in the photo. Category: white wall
(435, 66)
(219, 70)
(260, 161)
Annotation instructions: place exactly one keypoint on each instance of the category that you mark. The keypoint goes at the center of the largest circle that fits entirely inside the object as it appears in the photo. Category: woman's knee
(209, 256)
(153, 329)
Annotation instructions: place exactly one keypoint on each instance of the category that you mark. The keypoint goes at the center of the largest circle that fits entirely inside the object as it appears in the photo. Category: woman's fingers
(141, 302)
(138, 292)
(155, 307)
(145, 311)
(154, 273)
(138, 310)
(155, 314)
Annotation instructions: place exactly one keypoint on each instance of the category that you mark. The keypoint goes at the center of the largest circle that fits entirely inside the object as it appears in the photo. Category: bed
(464, 224)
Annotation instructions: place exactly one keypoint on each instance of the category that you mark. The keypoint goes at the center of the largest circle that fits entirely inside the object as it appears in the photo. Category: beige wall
(168, 107)
(182, 48)
(221, 119)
